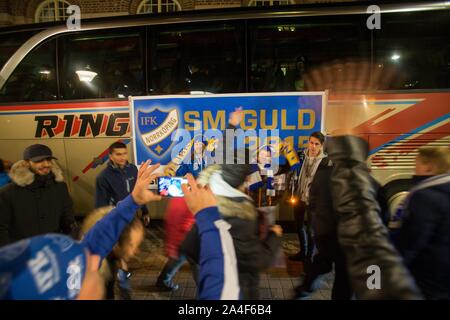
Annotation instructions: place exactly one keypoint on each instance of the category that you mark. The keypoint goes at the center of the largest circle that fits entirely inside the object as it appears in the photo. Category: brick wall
(23, 11)
(96, 6)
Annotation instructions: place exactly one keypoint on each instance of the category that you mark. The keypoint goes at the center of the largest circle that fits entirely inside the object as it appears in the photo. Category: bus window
(102, 65)
(10, 42)
(412, 51)
(34, 78)
(311, 53)
(193, 58)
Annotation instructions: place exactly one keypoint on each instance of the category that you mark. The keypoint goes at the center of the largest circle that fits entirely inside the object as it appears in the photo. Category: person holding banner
(267, 182)
(198, 160)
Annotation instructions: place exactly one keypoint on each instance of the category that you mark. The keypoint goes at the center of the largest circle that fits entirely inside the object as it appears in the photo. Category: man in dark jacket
(37, 201)
(324, 222)
(362, 236)
(424, 238)
(117, 180)
(312, 160)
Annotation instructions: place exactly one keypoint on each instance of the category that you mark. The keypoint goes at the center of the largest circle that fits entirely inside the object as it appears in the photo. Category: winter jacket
(218, 278)
(320, 208)
(177, 222)
(253, 254)
(113, 184)
(424, 238)
(324, 219)
(362, 236)
(324, 161)
(32, 204)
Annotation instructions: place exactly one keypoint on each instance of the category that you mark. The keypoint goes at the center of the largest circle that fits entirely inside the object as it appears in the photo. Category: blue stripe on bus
(65, 111)
(406, 135)
(379, 102)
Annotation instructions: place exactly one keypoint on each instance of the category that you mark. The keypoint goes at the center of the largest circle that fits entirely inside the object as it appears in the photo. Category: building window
(52, 10)
(262, 3)
(154, 6)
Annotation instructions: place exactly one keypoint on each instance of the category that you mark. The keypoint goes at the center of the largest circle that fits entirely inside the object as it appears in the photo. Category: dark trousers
(303, 230)
(329, 253)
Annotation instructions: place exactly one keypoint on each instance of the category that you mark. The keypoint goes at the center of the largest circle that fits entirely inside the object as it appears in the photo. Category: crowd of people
(224, 226)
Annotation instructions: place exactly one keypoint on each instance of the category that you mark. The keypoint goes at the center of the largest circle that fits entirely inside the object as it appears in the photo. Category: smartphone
(171, 186)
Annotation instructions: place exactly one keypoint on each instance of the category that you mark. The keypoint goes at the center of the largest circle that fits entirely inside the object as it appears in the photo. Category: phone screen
(171, 186)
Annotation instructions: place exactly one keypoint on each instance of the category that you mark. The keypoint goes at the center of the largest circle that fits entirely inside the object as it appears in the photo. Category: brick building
(14, 12)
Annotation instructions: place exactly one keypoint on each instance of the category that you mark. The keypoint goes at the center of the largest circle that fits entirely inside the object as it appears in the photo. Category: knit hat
(235, 174)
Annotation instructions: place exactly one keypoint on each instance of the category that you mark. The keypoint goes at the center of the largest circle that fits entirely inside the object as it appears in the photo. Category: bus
(68, 88)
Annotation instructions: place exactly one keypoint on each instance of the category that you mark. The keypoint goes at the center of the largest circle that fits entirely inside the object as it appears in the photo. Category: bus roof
(48, 30)
(338, 8)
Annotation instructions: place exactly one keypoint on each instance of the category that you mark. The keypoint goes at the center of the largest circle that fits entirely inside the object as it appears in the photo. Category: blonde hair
(95, 216)
(439, 157)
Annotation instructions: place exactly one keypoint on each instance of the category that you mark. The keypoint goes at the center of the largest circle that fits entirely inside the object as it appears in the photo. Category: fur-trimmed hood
(21, 174)
(229, 207)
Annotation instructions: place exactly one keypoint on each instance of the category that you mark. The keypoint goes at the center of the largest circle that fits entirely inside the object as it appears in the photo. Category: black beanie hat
(235, 174)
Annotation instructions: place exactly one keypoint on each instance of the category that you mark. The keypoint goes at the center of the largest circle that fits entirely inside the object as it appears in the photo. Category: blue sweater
(218, 278)
(102, 237)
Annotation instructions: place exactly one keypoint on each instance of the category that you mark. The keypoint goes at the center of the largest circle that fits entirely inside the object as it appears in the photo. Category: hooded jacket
(253, 254)
(424, 238)
(362, 236)
(32, 205)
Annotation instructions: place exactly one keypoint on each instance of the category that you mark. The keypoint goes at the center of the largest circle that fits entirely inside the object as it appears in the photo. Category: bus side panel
(396, 126)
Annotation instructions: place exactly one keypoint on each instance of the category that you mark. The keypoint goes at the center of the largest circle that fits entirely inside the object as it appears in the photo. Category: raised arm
(218, 278)
(104, 235)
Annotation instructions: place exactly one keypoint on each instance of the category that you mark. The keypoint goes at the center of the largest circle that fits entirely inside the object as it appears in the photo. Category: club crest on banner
(156, 127)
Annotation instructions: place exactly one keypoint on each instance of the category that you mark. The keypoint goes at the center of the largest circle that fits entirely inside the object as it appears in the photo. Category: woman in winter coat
(237, 208)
